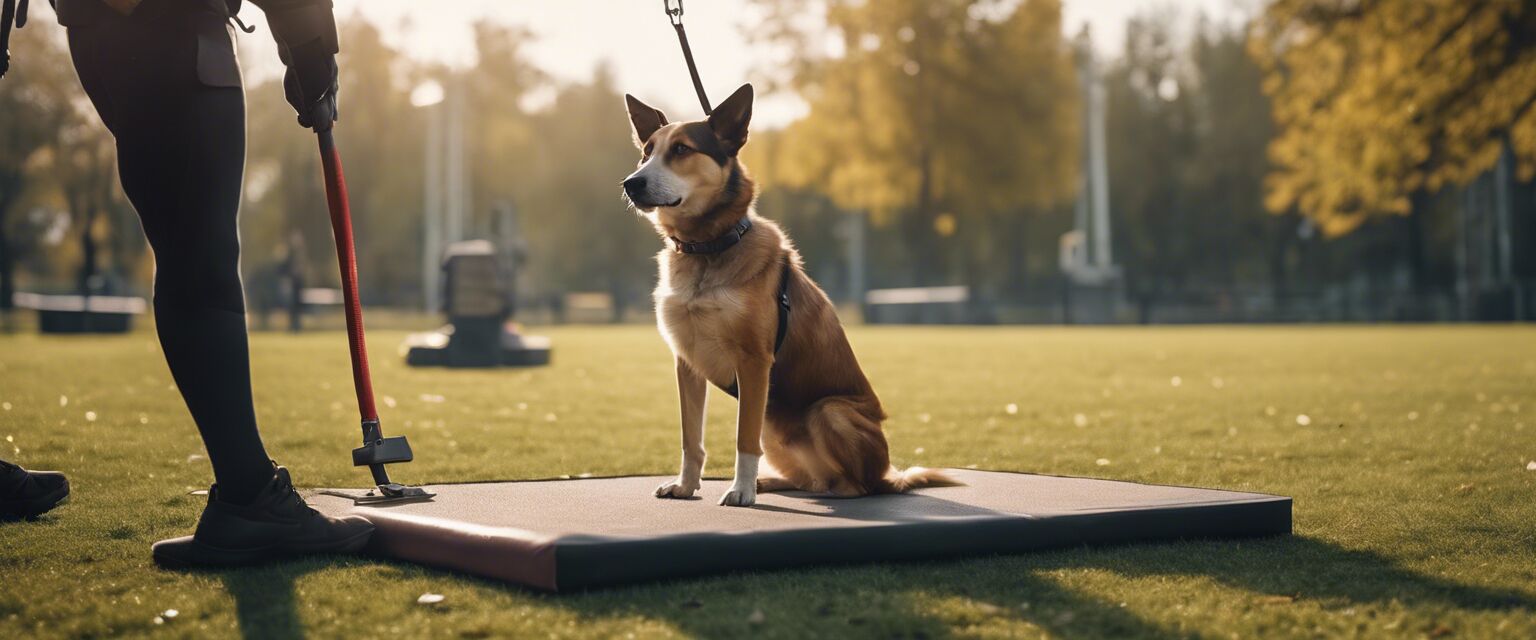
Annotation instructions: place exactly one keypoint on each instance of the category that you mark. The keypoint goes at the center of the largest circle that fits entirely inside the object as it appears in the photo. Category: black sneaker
(27, 494)
(277, 524)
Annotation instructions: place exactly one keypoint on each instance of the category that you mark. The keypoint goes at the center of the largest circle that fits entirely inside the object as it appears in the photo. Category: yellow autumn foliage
(931, 105)
(1379, 101)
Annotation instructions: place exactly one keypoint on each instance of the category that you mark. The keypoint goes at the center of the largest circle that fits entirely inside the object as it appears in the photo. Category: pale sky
(573, 36)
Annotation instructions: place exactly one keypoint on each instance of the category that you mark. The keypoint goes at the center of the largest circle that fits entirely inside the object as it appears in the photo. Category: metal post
(1463, 262)
(432, 210)
(857, 224)
(1099, 165)
(454, 228)
(1501, 206)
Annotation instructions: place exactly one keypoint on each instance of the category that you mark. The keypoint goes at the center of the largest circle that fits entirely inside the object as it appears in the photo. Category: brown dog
(738, 311)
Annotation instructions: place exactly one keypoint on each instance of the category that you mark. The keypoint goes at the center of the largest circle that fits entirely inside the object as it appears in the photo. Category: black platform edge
(587, 562)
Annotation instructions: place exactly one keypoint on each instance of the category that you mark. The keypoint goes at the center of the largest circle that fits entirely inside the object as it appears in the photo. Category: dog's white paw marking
(740, 496)
(743, 491)
(676, 489)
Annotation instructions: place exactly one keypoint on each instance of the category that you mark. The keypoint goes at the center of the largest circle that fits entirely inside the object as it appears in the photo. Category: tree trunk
(977, 273)
(1418, 273)
(1015, 245)
(88, 257)
(919, 226)
(1279, 283)
(616, 291)
(7, 257)
(9, 196)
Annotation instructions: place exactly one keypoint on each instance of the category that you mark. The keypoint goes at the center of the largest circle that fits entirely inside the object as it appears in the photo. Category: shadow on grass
(264, 599)
(1311, 569)
(932, 599)
(914, 600)
(929, 599)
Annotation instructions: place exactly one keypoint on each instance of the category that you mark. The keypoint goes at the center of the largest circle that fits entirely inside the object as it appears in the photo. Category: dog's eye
(679, 150)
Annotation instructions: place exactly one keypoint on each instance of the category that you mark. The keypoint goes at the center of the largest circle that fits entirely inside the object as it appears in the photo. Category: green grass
(1415, 513)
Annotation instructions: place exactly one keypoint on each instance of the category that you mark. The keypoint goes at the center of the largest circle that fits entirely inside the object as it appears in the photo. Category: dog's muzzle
(636, 188)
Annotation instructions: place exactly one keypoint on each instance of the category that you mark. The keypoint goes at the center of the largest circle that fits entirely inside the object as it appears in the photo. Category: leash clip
(675, 15)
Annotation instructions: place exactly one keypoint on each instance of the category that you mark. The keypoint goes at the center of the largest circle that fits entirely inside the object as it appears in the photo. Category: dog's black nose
(635, 187)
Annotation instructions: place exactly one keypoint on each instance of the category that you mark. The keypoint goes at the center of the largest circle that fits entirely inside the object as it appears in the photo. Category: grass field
(1406, 449)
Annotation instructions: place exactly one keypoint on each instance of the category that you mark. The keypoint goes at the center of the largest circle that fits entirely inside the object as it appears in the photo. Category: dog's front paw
(676, 488)
(739, 497)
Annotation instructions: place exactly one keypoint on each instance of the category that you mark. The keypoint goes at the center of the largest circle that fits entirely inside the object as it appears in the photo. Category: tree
(1382, 103)
(38, 99)
(375, 90)
(379, 136)
(1189, 125)
(580, 233)
(931, 115)
(85, 162)
(1230, 163)
(1155, 129)
(500, 132)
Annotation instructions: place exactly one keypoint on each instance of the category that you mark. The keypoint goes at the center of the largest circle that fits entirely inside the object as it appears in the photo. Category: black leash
(675, 15)
(11, 12)
(733, 236)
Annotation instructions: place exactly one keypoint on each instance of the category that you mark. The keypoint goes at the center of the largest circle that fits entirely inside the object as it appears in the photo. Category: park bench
(918, 305)
(82, 314)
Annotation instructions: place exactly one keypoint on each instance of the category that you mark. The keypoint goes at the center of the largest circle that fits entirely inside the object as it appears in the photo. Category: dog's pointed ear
(730, 119)
(647, 119)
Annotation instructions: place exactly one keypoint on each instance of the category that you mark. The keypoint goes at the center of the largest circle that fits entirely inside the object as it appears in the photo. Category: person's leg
(181, 156)
(181, 153)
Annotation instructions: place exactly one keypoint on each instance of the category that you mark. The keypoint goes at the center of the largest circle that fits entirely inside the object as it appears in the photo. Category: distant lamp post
(1092, 285)
(427, 96)
(1087, 256)
(445, 184)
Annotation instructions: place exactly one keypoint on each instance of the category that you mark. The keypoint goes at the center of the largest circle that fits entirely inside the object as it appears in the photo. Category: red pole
(346, 254)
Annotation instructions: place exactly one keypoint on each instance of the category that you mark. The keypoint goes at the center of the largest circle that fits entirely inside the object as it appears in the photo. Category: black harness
(730, 239)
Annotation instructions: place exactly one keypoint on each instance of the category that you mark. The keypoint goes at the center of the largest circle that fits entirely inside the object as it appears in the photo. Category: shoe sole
(39, 505)
(187, 553)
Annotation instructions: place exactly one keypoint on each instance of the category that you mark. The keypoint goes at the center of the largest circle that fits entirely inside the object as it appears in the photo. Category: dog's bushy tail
(914, 478)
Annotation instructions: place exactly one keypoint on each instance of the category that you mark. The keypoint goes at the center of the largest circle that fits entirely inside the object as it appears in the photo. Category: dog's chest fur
(700, 310)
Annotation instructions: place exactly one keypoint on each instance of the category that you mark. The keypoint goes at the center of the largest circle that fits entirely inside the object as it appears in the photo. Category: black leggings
(181, 157)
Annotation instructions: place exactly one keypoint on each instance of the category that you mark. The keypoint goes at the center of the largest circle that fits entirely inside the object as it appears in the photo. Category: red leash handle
(346, 257)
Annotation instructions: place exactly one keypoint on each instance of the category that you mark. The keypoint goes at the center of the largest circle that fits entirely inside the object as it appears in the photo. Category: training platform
(560, 535)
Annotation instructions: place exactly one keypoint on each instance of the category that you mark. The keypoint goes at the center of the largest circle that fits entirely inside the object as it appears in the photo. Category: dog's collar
(725, 241)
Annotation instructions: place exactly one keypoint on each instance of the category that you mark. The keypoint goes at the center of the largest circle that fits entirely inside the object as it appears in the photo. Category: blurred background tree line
(1325, 159)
